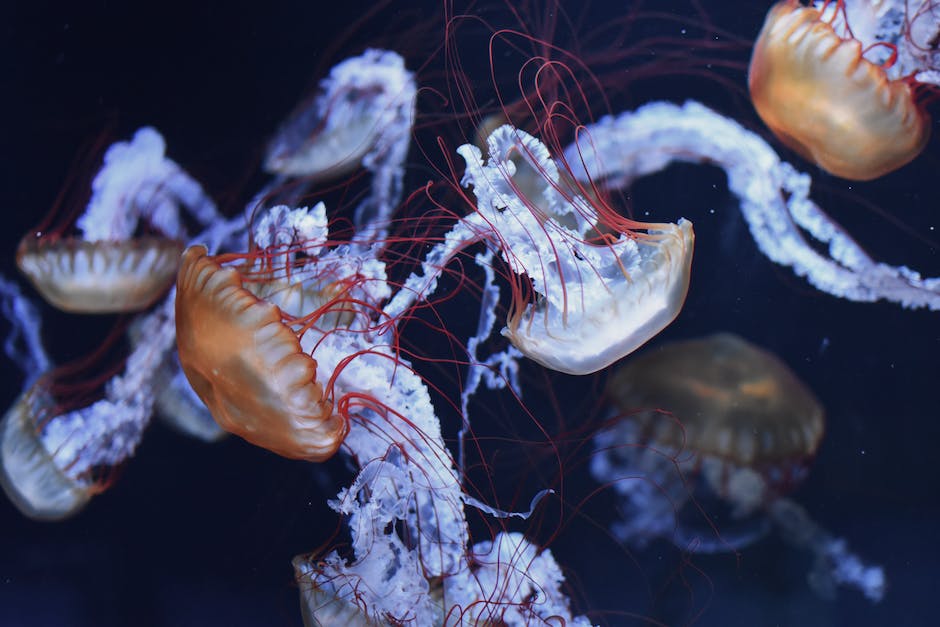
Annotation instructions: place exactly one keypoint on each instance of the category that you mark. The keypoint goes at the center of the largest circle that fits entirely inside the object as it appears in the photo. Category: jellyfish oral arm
(24, 343)
(774, 196)
(138, 180)
(834, 564)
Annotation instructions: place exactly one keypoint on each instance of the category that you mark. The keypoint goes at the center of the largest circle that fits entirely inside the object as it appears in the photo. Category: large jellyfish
(718, 427)
(838, 82)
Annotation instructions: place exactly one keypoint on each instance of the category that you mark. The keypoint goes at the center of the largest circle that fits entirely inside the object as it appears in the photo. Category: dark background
(196, 534)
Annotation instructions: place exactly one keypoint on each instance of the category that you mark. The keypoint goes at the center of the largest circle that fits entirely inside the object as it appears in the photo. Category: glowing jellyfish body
(733, 401)
(30, 476)
(100, 277)
(109, 268)
(360, 110)
(580, 302)
(725, 425)
(820, 95)
(248, 366)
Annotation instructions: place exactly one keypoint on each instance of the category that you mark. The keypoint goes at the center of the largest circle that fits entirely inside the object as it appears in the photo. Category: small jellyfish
(362, 108)
(813, 84)
(31, 475)
(717, 425)
(126, 248)
(57, 449)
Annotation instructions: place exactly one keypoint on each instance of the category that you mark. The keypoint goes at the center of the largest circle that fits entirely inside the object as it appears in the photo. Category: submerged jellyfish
(718, 425)
(580, 300)
(238, 349)
(837, 82)
(55, 455)
(129, 237)
(361, 109)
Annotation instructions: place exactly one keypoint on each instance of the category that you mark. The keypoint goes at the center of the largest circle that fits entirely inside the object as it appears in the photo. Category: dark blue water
(193, 534)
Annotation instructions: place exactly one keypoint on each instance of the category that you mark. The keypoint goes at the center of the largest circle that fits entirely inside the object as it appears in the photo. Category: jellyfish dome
(710, 435)
(29, 472)
(726, 411)
(735, 401)
(813, 84)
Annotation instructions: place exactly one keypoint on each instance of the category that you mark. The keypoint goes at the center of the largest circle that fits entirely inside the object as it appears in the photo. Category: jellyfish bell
(99, 277)
(820, 94)
(360, 108)
(29, 473)
(247, 366)
(734, 404)
(111, 263)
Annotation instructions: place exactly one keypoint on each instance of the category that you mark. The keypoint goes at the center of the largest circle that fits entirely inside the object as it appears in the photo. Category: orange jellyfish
(813, 85)
(247, 365)
(735, 413)
(124, 251)
(713, 433)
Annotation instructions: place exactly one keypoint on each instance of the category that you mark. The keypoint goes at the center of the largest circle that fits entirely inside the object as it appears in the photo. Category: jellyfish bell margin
(29, 475)
(821, 96)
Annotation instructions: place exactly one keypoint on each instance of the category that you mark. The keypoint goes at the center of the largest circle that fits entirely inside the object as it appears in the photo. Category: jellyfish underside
(100, 277)
(248, 367)
(29, 474)
(327, 152)
(823, 99)
(587, 337)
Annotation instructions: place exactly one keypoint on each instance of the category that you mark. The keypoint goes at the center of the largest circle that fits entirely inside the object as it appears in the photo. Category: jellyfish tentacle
(773, 195)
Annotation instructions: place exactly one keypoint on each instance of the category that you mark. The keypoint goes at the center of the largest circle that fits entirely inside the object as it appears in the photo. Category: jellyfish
(717, 424)
(838, 82)
(361, 117)
(579, 304)
(129, 237)
(54, 458)
(245, 363)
